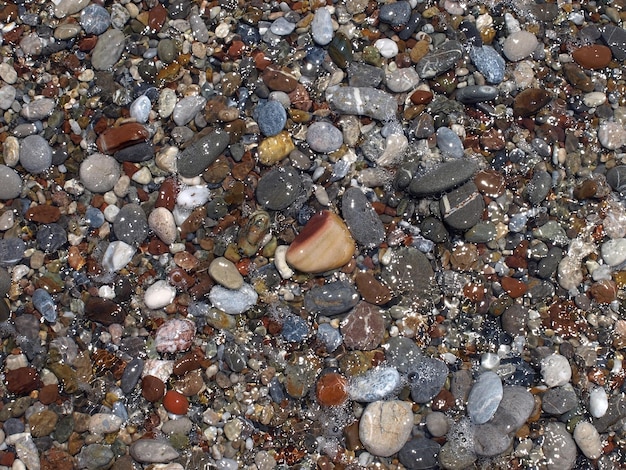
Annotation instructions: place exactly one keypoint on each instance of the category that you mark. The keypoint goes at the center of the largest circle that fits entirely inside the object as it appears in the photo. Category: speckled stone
(440, 59)
(361, 218)
(385, 426)
(271, 117)
(363, 328)
(99, 172)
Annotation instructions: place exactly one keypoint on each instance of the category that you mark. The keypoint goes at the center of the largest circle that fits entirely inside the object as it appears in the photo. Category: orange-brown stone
(22, 380)
(595, 56)
(117, 138)
(331, 389)
(43, 214)
(371, 289)
(514, 287)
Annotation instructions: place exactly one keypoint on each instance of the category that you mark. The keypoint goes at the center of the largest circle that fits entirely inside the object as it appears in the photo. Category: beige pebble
(161, 221)
(225, 272)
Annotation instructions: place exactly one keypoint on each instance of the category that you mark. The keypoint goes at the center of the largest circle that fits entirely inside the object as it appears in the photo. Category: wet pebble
(271, 117)
(519, 45)
(322, 27)
(35, 154)
(484, 398)
(152, 451)
(323, 137)
(279, 188)
(385, 426)
(361, 218)
(331, 298)
(233, 301)
(131, 225)
(99, 173)
(11, 186)
(426, 378)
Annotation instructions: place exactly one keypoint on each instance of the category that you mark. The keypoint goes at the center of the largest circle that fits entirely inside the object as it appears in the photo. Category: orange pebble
(175, 402)
(331, 389)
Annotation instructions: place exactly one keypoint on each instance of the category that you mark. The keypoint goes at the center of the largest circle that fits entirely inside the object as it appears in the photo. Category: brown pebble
(587, 189)
(604, 291)
(49, 394)
(371, 289)
(491, 183)
(43, 214)
(421, 97)
(104, 311)
(190, 384)
(22, 380)
(578, 78)
(493, 139)
(117, 138)
(57, 459)
(190, 361)
(152, 388)
(595, 56)
(363, 328)
(514, 287)
(278, 80)
(529, 101)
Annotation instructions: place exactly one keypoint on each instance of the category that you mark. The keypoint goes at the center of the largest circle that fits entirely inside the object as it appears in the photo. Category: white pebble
(193, 196)
(280, 262)
(110, 213)
(387, 47)
(140, 109)
(159, 294)
(555, 370)
(598, 402)
(117, 255)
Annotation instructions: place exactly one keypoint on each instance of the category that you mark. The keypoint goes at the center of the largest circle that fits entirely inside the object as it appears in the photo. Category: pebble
(35, 154)
(395, 14)
(225, 273)
(559, 400)
(363, 328)
(117, 255)
(104, 423)
(419, 453)
(519, 45)
(462, 208)
(38, 109)
(386, 47)
(476, 94)
(449, 143)
(331, 298)
(159, 295)
(560, 445)
(99, 173)
(279, 188)
(598, 402)
(175, 402)
(489, 63)
(323, 244)
(95, 19)
(401, 80)
(442, 178)
(161, 222)
(377, 384)
(439, 60)
(271, 117)
(233, 301)
(174, 335)
(367, 101)
(426, 378)
(11, 251)
(409, 272)
(614, 251)
(140, 110)
(108, 49)
(187, 108)
(611, 135)
(131, 225)
(152, 451)
(593, 57)
(385, 427)
(322, 27)
(199, 155)
(484, 397)
(323, 137)
(555, 370)
(588, 440)
(11, 186)
(361, 218)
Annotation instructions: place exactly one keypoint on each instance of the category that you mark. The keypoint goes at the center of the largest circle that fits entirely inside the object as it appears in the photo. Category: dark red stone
(22, 380)
(104, 311)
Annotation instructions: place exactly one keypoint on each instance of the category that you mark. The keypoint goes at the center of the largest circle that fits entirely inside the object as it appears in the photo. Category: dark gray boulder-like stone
(446, 176)
(361, 218)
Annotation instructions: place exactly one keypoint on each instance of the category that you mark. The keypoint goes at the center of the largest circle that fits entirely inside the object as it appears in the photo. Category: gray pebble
(322, 27)
(395, 14)
(364, 75)
(11, 251)
(559, 400)
(463, 207)
(419, 453)
(94, 457)
(361, 218)
(152, 451)
(482, 232)
(10, 183)
(271, 117)
(199, 155)
(484, 397)
(187, 108)
(233, 302)
(427, 378)
(331, 298)
(323, 137)
(440, 59)
(38, 109)
(35, 154)
(95, 19)
(7, 96)
(108, 49)
(449, 143)
(538, 187)
(137, 153)
(402, 353)
(282, 27)
(489, 63)
(476, 94)
(51, 237)
(616, 177)
(367, 101)
(558, 443)
(99, 172)
(279, 188)
(409, 272)
(131, 225)
(166, 50)
(442, 178)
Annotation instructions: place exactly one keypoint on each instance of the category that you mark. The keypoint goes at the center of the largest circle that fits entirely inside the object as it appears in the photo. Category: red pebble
(175, 402)
(331, 389)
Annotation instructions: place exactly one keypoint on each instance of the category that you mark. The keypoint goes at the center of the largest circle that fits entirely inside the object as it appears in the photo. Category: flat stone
(476, 94)
(10, 183)
(233, 302)
(175, 335)
(322, 27)
(224, 272)
(529, 101)
(99, 172)
(278, 188)
(108, 49)
(361, 218)
(538, 187)
(440, 60)
(426, 378)
(331, 298)
(588, 440)
(385, 427)
(615, 38)
(152, 451)
(38, 109)
(271, 117)
(363, 328)
(442, 178)
(376, 384)
(366, 101)
(400, 80)
(364, 75)
(559, 444)
(409, 272)
(395, 14)
(559, 400)
(199, 155)
(449, 143)
(594, 56)
(419, 453)
(614, 251)
(104, 423)
(484, 397)
(187, 108)
(95, 456)
(323, 137)
(462, 208)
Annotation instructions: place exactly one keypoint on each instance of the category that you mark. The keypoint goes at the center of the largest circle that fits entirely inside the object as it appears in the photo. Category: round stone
(595, 56)
(99, 172)
(271, 117)
(162, 222)
(35, 154)
(224, 272)
(361, 218)
(331, 389)
(278, 188)
(10, 183)
(131, 224)
(519, 45)
(175, 402)
(556, 370)
(95, 19)
(385, 426)
(323, 137)
(363, 328)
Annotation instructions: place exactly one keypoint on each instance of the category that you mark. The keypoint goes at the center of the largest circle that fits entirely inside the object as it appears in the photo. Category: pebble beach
(316, 234)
